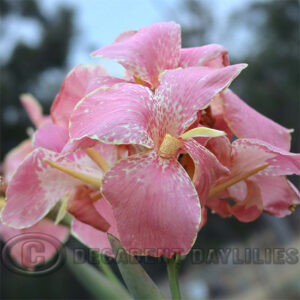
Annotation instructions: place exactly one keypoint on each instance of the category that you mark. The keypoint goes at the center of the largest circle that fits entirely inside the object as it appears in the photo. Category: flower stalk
(173, 265)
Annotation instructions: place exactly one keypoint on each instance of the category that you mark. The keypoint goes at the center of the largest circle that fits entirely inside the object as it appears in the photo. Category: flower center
(169, 146)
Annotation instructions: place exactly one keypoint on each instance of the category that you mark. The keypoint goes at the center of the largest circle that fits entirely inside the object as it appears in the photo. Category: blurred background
(40, 41)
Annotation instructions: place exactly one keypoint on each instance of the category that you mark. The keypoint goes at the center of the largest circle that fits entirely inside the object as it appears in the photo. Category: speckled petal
(248, 154)
(148, 52)
(93, 238)
(183, 92)
(245, 122)
(155, 204)
(212, 55)
(117, 115)
(51, 137)
(39, 236)
(78, 83)
(36, 187)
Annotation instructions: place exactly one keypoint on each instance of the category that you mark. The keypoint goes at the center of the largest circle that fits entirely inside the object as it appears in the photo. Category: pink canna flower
(148, 52)
(154, 201)
(257, 180)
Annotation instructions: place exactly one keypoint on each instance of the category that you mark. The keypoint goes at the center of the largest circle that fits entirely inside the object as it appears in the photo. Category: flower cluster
(144, 157)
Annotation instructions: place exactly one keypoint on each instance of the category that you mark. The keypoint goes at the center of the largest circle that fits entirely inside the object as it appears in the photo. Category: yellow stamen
(62, 210)
(96, 182)
(292, 207)
(2, 202)
(202, 132)
(169, 146)
(96, 197)
(97, 158)
(138, 80)
(224, 185)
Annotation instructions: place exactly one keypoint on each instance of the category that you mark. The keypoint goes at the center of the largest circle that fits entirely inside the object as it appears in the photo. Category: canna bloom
(257, 180)
(148, 52)
(154, 201)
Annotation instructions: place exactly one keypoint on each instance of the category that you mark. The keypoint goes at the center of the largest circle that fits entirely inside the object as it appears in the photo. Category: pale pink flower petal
(278, 194)
(117, 115)
(14, 157)
(183, 92)
(48, 248)
(145, 54)
(212, 55)
(207, 168)
(34, 110)
(250, 208)
(36, 187)
(51, 137)
(245, 122)
(155, 204)
(248, 154)
(78, 83)
(80, 205)
(220, 206)
(93, 238)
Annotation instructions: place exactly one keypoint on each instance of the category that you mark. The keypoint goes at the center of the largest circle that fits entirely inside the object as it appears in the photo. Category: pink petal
(80, 205)
(145, 54)
(116, 115)
(14, 157)
(248, 154)
(155, 204)
(221, 148)
(51, 137)
(251, 207)
(183, 92)
(245, 122)
(78, 83)
(33, 109)
(36, 187)
(35, 236)
(220, 206)
(207, 168)
(278, 194)
(93, 238)
(212, 55)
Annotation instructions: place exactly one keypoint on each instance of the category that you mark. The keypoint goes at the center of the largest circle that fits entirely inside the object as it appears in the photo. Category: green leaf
(137, 280)
(94, 281)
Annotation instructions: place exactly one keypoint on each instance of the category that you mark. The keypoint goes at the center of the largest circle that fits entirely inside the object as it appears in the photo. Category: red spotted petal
(155, 204)
(36, 187)
(245, 122)
(93, 238)
(78, 83)
(148, 52)
(35, 236)
(212, 55)
(116, 115)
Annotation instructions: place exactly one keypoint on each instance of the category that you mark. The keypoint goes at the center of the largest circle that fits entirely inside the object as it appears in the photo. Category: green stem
(173, 265)
(105, 268)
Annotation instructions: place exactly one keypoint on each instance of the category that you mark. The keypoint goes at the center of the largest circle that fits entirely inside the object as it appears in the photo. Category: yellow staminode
(2, 202)
(202, 132)
(97, 158)
(224, 185)
(94, 181)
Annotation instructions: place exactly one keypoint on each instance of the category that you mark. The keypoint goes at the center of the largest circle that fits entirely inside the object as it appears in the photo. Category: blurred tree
(28, 65)
(271, 81)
